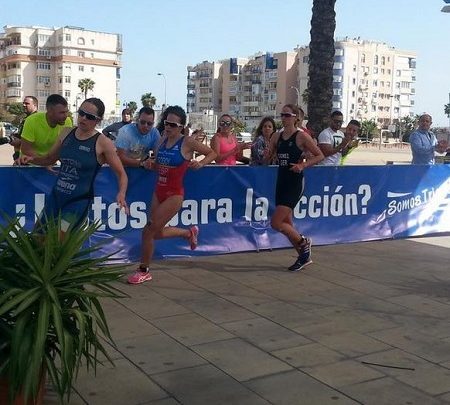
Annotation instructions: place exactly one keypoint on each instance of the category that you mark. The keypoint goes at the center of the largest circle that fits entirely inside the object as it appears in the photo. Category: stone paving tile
(430, 378)
(423, 323)
(352, 344)
(416, 343)
(124, 323)
(387, 391)
(423, 304)
(355, 320)
(155, 306)
(308, 355)
(158, 353)
(322, 328)
(344, 372)
(218, 310)
(191, 329)
(165, 401)
(265, 334)
(296, 388)
(204, 385)
(240, 359)
(285, 314)
(135, 387)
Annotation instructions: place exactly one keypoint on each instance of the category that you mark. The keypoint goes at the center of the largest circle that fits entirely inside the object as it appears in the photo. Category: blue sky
(168, 35)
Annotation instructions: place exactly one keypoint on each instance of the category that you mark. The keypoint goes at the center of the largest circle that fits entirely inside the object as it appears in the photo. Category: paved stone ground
(367, 323)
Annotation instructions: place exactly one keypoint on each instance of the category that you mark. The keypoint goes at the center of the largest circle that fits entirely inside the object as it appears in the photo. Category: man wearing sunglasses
(136, 140)
(41, 130)
(332, 141)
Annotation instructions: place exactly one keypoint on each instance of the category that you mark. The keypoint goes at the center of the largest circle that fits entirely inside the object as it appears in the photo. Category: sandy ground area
(363, 155)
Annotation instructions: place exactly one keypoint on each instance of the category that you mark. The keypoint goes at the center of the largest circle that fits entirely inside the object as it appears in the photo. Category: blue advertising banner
(232, 206)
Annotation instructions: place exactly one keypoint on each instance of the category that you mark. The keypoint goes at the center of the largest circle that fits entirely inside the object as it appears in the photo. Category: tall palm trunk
(321, 59)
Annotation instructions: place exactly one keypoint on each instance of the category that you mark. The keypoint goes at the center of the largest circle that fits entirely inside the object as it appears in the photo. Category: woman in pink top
(225, 144)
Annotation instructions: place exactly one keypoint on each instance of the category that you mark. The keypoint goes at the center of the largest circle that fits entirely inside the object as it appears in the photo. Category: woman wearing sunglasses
(174, 156)
(289, 146)
(82, 150)
(225, 144)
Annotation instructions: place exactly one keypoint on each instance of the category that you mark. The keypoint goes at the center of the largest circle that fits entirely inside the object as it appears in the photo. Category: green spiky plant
(51, 317)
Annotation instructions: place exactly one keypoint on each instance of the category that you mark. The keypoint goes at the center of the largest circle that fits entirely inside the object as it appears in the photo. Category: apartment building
(203, 87)
(249, 88)
(41, 61)
(371, 80)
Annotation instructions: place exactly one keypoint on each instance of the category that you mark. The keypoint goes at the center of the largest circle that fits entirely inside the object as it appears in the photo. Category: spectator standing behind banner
(30, 106)
(260, 147)
(41, 130)
(112, 130)
(331, 140)
(173, 157)
(136, 140)
(290, 145)
(350, 137)
(225, 144)
(82, 150)
(424, 143)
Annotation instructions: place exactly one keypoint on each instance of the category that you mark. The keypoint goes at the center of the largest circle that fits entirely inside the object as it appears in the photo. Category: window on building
(339, 52)
(66, 79)
(92, 55)
(398, 73)
(43, 66)
(354, 68)
(80, 41)
(92, 69)
(337, 79)
(68, 37)
(382, 71)
(67, 93)
(43, 79)
(375, 60)
(60, 38)
(67, 51)
(353, 93)
(81, 54)
(375, 70)
(92, 42)
(354, 80)
(81, 68)
(363, 58)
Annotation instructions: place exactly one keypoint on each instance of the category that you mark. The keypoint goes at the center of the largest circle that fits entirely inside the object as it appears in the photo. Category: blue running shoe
(304, 258)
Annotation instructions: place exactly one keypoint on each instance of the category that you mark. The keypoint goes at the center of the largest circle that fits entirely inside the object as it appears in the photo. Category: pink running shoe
(193, 239)
(140, 276)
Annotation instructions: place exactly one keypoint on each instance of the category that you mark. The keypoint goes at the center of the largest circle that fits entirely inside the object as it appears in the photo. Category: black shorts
(289, 189)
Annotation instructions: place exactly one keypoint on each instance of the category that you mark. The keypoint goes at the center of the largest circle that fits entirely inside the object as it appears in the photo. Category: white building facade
(40, 61)
(371, 80)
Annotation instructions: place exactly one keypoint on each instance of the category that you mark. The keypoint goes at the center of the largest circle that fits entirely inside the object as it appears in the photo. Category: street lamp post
(165, 89)
(298, 94)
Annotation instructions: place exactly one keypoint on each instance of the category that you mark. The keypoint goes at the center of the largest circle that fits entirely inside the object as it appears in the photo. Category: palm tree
(447, 110)
(321, 59)
(368, 127)
(148, 100)
(85, 85)
(132, 105)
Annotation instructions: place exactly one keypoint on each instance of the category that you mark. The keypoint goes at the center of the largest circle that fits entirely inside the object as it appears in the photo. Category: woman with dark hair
(225, 144)
(260, 146)
(82, 150)
(174, 156)
(289, 147)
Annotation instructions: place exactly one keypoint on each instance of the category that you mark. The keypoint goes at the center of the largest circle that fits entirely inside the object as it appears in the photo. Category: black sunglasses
(225, 123)
(287, 115)
(149, 123)
(88, 116)
(172, 124)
